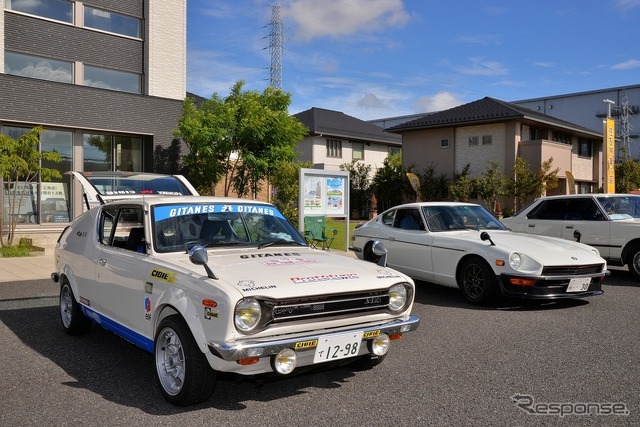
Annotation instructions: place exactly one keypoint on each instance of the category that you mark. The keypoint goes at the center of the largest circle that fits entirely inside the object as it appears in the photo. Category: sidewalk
(36, 267)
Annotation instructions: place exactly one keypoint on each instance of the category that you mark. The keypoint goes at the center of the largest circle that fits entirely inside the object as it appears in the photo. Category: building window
(535, 133)
(584, 148)
(334, 148)
(111, 22)
(36, 67)
(394, 150)
(112, 153)
(357, 149)
(473, 141)
(111, 79)
(59, 10)
(584, 187)
(444, 143)
(562, 137)
(487, 139)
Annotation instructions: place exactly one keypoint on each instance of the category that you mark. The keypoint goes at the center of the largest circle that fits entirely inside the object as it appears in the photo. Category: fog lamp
(379, 345)
(285, 361)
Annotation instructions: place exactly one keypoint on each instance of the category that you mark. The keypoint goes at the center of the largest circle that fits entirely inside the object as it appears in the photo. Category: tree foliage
(20, 166)
(390, 182)
(359, 185)
(491, 185)
(627, 173)
(526, 183)
(242, 138)
(286, 188)
(433, 187)
(463, 185)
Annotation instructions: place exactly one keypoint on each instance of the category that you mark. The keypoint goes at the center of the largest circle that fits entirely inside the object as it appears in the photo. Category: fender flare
(174, 301)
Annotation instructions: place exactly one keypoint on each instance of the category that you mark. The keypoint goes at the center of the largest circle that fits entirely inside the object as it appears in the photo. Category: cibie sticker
(165, 276)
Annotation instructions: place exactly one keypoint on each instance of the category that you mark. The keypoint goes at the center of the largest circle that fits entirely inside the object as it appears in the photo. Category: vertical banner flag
(571, 181)
(610, 156)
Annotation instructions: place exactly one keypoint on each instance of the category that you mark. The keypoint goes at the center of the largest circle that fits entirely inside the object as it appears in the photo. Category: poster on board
(324, 192)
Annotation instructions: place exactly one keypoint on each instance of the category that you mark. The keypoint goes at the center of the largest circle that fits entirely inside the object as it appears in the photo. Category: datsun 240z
(212, 285)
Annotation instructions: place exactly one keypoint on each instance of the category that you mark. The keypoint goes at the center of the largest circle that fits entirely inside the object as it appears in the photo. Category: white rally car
(210, 284)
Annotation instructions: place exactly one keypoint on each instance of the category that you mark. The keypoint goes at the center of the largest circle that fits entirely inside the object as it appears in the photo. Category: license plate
(339, 346)
(579, 285)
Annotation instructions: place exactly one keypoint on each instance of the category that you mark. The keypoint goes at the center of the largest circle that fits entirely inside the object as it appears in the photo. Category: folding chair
(317, 233)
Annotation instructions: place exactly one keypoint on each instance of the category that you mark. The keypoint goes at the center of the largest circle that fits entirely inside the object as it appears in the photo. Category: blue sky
(384, 58)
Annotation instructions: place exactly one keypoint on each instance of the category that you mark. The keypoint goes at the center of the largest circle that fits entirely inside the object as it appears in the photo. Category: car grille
(332, 305)
(572, 270)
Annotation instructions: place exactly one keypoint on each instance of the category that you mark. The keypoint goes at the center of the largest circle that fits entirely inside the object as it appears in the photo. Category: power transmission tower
(625, 126)
(275, 47)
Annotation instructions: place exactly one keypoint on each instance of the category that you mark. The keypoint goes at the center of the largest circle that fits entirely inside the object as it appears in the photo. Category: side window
(129, 230)
(107, 219)
(582, 210)
(549, 209)
(387, 218)
(408, 219)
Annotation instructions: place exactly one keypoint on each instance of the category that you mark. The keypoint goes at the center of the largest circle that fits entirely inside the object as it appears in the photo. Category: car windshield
(621, 207)
(452, 217)
(178, 227)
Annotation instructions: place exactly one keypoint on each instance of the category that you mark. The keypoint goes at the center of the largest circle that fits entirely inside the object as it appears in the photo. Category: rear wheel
(71, 316)
(634, 262)
(477, 281)
(182, 370)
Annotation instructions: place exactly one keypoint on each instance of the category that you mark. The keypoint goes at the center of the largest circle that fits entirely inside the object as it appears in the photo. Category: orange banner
(610, 155)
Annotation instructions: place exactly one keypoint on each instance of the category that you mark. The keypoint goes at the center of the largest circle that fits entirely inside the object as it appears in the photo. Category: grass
(340, 225)
(23, 249)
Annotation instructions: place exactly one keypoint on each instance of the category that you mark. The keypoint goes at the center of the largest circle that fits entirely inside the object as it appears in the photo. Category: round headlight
(285, 361)
(397, 297)
(247, 314)
(380, 345)
(515, 260)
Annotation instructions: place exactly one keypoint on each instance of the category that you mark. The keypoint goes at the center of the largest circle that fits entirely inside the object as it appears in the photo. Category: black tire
(368, 254)
(182, 370)
(477, 281)
(71, 317)
(633, 260)
(367, 361)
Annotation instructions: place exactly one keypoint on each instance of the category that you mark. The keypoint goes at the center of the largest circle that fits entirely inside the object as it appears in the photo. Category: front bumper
(550, 287)
(268, 347)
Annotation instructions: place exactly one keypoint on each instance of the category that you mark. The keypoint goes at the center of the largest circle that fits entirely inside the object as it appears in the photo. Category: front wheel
(477, 281)
(368, 254)
(634, 262)
(182, 370)
(71, 316)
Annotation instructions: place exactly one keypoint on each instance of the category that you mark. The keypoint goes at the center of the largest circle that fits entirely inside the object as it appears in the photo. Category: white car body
(607, 222)
(305, 297)
(428, 249)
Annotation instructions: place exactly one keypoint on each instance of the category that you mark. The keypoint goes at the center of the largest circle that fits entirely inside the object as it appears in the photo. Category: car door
(547, 218)
(584, 216)
(409, 244)
(121, 271)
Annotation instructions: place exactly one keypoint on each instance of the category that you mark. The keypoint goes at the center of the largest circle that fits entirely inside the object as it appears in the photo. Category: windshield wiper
(280, 242)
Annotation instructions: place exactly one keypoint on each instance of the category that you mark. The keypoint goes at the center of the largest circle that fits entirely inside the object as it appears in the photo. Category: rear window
(138, 184)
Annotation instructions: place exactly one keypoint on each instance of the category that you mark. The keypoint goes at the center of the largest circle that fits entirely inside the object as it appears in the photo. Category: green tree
(627, 173)
(286, 188)
(359, 185)
(463, 185)
(390, 182)
(241, 138)
(525, 182)
(491, 185)
(432, 187)
(20, 166)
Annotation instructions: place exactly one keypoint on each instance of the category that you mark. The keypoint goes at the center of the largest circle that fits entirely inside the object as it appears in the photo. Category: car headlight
(397, 297)
(515, 260)
(247, 315)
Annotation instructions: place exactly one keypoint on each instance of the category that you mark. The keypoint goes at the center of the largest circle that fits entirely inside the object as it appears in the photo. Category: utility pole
(275, 47)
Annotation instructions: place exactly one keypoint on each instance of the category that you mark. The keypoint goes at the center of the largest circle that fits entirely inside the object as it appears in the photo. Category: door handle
(531, 225)
(570, 227)
(102, 261)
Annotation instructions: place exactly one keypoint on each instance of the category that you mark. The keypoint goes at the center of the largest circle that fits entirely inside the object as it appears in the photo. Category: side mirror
(199, 256)
(577, 235)
(484, 236)
(381, 252)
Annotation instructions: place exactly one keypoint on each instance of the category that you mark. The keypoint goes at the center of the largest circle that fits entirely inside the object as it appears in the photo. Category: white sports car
(463, 245)
(210, 284)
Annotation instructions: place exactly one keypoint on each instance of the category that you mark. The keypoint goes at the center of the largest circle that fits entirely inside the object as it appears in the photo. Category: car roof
(442, 203)
(564, 196)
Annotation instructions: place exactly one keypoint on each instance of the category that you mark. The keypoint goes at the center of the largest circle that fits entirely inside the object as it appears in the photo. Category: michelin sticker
(161, 213)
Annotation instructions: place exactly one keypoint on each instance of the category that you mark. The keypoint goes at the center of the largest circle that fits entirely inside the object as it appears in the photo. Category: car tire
(367, 362)
(477, 281)
(633, 261)
(71, 317)
(368, 254)
(182, 370)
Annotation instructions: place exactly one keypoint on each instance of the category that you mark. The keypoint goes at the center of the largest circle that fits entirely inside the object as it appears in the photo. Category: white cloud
(627, 65)
(438, 102)
(544, 64)
(338, 18)
(484, 40)
(484, 67)
(626, 4)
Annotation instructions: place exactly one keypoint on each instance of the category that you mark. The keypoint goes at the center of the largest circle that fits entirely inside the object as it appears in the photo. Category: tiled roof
(339, 125)
(485, 110)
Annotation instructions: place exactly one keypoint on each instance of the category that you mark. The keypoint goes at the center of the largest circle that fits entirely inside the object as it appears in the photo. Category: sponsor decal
(85, 301)
(171, 211)
(283, 262)
(247, 284)
(370, 334)
(147, 308)
(165, 276)
(324, 278)
(387, 274)
(304, 345)
(269, 255)
(209, 313)
(81, 233)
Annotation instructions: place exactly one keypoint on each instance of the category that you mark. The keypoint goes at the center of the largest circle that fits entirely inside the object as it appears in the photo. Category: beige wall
(479, 156)
(421, 149)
